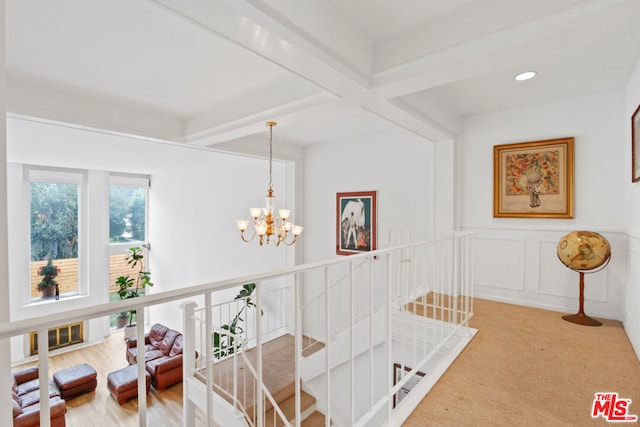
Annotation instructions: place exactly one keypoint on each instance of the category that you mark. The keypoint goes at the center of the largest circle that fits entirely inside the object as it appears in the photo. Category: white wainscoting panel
(632, 294)
(557, 280)
(521, 266)
(499, 262)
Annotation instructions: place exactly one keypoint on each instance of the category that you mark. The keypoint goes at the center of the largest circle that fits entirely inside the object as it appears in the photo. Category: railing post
(388, 336)
(43, 378)
(469, 275)
(371, 332)
(259, 352)
(189, 360)
(142, 379)
(208, 338)
(351, 345)
(297, 348)
(328, 346)
(6, 379)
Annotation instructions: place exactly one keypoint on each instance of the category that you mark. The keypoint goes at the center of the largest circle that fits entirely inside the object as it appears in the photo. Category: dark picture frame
(533, 179)
(635, 145)
(356, 222)
(397, 376)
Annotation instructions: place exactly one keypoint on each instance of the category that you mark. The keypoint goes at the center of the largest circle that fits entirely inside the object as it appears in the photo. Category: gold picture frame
(635, 145)
(533, 179)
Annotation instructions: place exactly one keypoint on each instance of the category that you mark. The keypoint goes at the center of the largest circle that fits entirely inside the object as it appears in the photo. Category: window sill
(63, 297)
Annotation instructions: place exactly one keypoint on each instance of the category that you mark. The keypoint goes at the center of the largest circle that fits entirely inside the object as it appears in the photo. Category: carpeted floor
(529, 367)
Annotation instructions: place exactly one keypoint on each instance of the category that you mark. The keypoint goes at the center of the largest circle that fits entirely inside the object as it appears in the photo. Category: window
(127, 225)
(127, 209)
(54, 210)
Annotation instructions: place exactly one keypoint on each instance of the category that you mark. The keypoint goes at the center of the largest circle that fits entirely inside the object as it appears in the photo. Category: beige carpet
(529, 367)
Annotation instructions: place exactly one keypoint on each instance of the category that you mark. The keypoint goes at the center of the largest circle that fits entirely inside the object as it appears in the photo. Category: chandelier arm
(250, 239)
(292, 242)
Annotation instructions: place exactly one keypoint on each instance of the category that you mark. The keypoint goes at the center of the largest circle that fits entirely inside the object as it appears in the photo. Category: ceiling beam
(266, 32)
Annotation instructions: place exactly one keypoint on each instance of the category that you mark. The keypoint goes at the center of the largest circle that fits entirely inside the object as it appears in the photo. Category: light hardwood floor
(98, 408)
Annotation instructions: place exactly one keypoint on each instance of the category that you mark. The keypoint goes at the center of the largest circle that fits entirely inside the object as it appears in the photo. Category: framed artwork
(635, 145)
(356, 225)
(533, 179)
(406, 389)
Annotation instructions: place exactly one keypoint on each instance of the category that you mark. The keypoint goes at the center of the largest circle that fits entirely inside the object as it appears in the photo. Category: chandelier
(269, 227)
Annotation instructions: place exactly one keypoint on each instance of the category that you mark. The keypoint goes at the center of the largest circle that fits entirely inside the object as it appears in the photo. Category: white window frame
(133, 181)
(59, 176)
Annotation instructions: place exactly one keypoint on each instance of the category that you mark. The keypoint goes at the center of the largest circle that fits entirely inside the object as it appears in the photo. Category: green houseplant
(48, 284)
(224, 341)
(131, 285)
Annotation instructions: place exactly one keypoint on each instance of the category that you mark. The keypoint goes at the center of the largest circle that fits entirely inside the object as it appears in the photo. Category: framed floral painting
(355, 222)
(533, 179)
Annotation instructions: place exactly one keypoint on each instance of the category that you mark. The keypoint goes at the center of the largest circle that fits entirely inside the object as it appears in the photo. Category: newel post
(188, 360)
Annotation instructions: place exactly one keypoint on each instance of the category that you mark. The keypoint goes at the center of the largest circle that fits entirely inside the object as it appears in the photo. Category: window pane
(64, 336)
(53, 338)
(127, 214)
(76, 333)
(54, 237)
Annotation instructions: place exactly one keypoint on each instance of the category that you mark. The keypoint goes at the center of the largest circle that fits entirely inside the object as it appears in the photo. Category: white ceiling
(212, 72)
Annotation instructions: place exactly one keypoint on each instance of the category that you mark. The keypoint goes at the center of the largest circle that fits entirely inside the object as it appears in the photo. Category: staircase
(370, 317)
(310, 416)
(278, 377)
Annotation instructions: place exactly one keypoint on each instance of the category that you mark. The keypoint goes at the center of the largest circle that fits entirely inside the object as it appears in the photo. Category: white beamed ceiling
(209, 72)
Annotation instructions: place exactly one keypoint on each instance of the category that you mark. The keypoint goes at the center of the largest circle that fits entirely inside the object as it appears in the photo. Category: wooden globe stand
(580, 317)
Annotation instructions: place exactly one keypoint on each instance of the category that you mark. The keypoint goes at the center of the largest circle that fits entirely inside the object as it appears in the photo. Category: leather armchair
(162, 355)
(26, 400)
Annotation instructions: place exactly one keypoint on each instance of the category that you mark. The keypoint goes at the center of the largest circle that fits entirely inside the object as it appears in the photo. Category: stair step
(315, 419)
(288, 408)
(310, 346)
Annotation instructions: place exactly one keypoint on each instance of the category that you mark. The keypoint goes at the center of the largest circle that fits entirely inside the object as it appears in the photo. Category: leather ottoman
(76, 380)
(123, 383)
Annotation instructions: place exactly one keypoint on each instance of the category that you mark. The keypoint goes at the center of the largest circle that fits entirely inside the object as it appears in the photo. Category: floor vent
(60, 336)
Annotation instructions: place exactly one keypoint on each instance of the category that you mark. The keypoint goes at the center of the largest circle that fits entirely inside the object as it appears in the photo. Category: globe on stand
(584, 252)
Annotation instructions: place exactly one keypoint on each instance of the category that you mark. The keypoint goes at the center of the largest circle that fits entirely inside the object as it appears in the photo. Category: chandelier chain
(270, 154)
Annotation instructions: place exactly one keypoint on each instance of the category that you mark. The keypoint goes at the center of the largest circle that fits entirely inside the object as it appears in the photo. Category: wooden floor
(98, 408)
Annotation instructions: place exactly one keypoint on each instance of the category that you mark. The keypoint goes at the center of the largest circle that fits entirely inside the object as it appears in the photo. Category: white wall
(192, 229)
(515, 259)
(5, 378)
(631, 307)
(398, 166)
(40, 144)
(195, 197)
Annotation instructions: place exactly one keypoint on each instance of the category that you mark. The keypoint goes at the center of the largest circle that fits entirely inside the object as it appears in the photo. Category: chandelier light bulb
(527, 75)
(284, 213)
(255, 213)
(261, 228)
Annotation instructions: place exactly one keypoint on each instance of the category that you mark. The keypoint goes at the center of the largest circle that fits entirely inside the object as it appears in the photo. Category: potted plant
(49, 285)
(225, 341)
(122, 319)
(129, 286)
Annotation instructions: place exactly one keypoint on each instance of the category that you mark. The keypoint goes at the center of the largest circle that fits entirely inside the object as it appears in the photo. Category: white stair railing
(223, 340)
(404, 308)
(264, 395)
(405, 304)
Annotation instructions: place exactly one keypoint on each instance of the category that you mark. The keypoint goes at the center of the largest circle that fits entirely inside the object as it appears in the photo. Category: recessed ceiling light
(525, 76)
